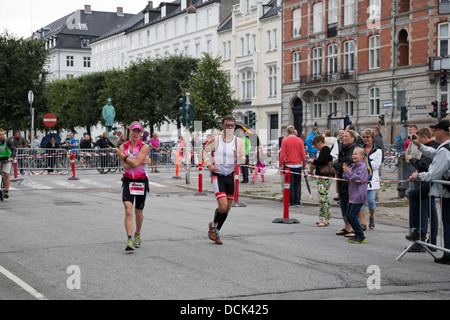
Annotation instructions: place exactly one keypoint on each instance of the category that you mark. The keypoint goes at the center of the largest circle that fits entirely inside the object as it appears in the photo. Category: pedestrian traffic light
(403, 114)
(444, 76)
(381, 122)
(251, 118)
(434, 113)
(182, 110)
(444, 108)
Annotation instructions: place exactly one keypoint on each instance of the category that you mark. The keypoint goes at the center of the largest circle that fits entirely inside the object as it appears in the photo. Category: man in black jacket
(104, 143)
(419, 203)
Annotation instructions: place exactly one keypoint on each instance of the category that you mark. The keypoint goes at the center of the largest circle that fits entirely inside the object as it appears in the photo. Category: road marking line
(22, 284)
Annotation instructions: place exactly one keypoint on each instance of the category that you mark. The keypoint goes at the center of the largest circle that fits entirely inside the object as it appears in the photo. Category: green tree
(22, 63)
(211, 93)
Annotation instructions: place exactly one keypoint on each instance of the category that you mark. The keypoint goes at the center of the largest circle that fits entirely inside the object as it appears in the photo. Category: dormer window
(85, 43)
(147, 18)
(163, 11)
(183, 5)
(83, 26)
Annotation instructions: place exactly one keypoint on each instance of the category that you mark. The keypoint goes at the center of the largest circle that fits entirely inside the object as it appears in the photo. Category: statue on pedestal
(109, 113)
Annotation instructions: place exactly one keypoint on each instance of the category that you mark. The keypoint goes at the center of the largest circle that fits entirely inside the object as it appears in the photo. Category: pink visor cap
(136, 126)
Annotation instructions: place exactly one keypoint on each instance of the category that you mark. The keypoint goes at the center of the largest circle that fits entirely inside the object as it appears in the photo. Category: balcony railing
(326, 77)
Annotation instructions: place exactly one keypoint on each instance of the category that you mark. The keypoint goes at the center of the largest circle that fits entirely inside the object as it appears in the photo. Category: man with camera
(439, 169)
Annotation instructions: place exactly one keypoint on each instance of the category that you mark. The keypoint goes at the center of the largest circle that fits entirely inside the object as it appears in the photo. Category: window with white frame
(349, 12)
(296, 57)
(224, 51)
(332, 58)
(317, 17)
(349, 56)
(271, 38)
(348, 104)
(242, 46)
(443, 39)
(272, 81)
(374, 52)
(87, 62)
(247, 43)
(332, 11)
(332, 105)
(296, 22)
(69, 61)
(374, 101)
(317, 108)
(247, 84)
(317, 62)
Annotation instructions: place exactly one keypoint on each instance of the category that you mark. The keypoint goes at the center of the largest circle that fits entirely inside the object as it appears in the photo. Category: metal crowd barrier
(40, 161)
(432, 227)
(102, 160)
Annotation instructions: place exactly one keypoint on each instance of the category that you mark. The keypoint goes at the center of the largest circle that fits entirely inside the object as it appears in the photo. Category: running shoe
(6, 195)
(137, 241)
(217, 238)
(356, 239)
(211, 234)
(130, 245)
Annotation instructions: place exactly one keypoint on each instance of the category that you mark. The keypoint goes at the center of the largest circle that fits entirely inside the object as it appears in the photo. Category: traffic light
(403, 114)
(434, 113)
(444, 108)
(251, 118)
(381, 122)
(182, 110)
(189, 114)
(444, 76)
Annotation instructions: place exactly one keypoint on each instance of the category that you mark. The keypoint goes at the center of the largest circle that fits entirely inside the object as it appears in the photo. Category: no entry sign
(49, 120)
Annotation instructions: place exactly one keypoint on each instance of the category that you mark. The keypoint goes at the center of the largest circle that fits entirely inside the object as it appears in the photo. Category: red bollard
(200, 181)
(236, 202)
(72, 160)
(177, 166)
(15, 167)
(286, 193)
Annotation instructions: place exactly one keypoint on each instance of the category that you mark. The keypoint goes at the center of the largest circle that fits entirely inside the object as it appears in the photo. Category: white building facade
(250, 45)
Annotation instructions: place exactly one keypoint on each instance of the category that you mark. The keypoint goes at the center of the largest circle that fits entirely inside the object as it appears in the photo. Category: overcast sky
(22, 17)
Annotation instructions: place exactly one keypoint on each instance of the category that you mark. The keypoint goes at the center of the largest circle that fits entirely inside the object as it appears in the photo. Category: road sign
(30, 97)
(49, 120)
(388, 105)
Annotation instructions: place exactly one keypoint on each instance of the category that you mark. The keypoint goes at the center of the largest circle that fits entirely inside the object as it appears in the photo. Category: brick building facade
(357, 60)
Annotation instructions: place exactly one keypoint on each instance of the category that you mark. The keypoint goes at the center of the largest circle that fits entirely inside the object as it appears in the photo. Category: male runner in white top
(226, 150)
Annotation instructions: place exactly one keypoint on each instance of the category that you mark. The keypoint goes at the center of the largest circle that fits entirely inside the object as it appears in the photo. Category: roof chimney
(87, 9)
(120, 11)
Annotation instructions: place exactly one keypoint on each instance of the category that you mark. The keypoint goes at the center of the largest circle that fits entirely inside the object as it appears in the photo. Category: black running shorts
(137, 200)
(223, 186)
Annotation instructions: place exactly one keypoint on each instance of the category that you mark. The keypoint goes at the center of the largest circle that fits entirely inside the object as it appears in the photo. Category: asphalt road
(65, 240)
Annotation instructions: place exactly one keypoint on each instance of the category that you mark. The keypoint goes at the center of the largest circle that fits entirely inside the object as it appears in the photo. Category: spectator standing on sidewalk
(20, 144)
(312, 152)
(439, 169)
(293, 156)
(154, 150)
(345, 156)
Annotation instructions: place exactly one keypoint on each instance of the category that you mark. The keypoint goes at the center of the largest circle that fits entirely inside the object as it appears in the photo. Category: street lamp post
(30, 100)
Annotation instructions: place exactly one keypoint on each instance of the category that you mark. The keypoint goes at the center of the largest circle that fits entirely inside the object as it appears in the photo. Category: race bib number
(137, 188)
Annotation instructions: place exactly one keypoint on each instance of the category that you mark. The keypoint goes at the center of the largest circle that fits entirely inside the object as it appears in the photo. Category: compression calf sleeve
(219, 218)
